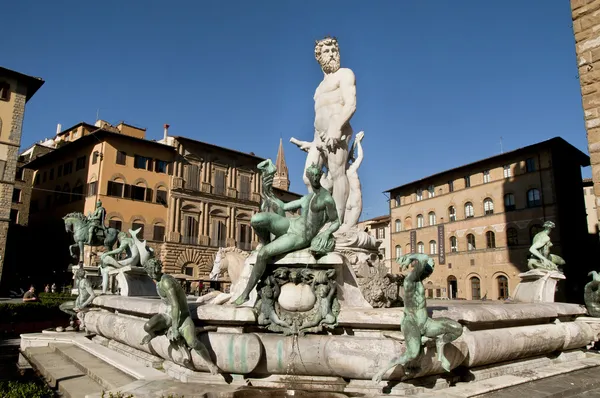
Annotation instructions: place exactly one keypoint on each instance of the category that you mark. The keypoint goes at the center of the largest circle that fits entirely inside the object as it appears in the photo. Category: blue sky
(439, 82)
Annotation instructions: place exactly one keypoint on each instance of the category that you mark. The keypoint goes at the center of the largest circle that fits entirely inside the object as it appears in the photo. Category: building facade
(379, 227)
(188, 197)
(15, 90)
(478, 220)
(586, 27)
(590, 206)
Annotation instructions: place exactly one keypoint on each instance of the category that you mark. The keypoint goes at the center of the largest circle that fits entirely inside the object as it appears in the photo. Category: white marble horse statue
(229, 261)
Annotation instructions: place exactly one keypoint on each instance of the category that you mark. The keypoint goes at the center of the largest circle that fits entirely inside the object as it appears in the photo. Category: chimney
(58, 128)
(166, 132)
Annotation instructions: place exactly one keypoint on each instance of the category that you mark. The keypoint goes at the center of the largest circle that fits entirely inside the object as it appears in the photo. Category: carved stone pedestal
(537, 286)
(131, 281)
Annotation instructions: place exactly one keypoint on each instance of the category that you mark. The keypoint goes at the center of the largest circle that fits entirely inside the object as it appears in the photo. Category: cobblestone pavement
(581, 383)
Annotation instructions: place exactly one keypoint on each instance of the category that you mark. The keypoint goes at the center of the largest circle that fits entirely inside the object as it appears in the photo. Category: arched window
(470, 242)
(502, 287)
(431, 190)
(159, 232)
(115, 223)
(512, 237)
(490, 239)
(398, 251)
(420, 221)
(533, 198)
(488, 206)
(452, 287)
(534, 230)
(408, 223)
(432, 219)
(509, 202)
(432, 247)
(397, 200)
(453, 244)
(469, 210)
(420, 248)
(475, 288)
(398, 225)
(452, 213)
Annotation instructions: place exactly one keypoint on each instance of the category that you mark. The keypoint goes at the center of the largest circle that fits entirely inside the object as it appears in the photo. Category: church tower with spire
(281, 179)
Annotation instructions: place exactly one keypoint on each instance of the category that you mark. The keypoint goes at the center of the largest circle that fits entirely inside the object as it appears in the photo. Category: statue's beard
(330, 66)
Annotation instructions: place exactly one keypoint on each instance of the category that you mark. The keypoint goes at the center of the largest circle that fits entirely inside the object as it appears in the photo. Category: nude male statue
(294, 233)
(84, 298)
(176, 323)
(127, 245)
(415, 324)
(335, 104)
(540, 250)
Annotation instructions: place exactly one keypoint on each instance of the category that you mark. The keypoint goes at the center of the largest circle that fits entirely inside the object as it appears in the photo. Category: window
(490, 239)
(14, 216)
(512, 237)
(189, 270)
(77, 192)
(51, 174)
(159, 233)
(453, 244)
(432, 219)
(397, 199)
(533, 198)
(116, 224)
(95, 157)
(533, 231)
(488, 206)
(92, 188)
(486, 176)
(161, 196)
(138, 193)
(382, 252)
(4, 91)
(121, 158)
(245, 238)
(469, 210)
(80, 163)
(380, 233)
(190, 230)
(138, 225)
(398, 251)
(114, 189)
(16, 196)
(471, 242)
(475, 288)
(19, 174)
(420, 248)
(509, 202)
(452, 213)
(219, 233)
(59, 171)
(140, 162)
(467, 181)
(192, 177)
(502, 287)
(420, 221)
(160, 166)
(244, 187)
(219, 182)
(432, 247)
(397, 226)
(68, 168)
(419, 194)
(530, 165)
(507, 172)
(451, 186)
(431, 190)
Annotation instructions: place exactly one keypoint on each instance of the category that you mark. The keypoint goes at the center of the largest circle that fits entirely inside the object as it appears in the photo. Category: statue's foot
(241, 300)
(188, 363)
(214, 369)
(146, 339)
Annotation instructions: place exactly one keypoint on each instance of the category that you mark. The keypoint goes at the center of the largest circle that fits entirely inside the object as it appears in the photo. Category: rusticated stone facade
(586, 26)
(15, 90)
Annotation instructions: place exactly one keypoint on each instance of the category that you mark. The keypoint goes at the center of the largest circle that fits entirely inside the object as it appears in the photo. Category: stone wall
(176, 256)
(586, 26)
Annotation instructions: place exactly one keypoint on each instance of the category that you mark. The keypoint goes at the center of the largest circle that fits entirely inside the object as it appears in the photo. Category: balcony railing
(232, 192)
(177, 183)
(205, 187)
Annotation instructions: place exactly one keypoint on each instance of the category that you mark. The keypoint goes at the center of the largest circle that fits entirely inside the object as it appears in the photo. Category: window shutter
(127, 191)
(148, 194)
(170, 168)
(149, 165)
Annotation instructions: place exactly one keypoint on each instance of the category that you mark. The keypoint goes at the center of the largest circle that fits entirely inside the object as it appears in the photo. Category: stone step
(60, 373)
(102, 373)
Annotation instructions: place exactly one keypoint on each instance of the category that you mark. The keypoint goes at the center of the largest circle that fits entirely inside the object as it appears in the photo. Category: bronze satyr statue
(176, 323)
(294, 233)
(415, 324)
